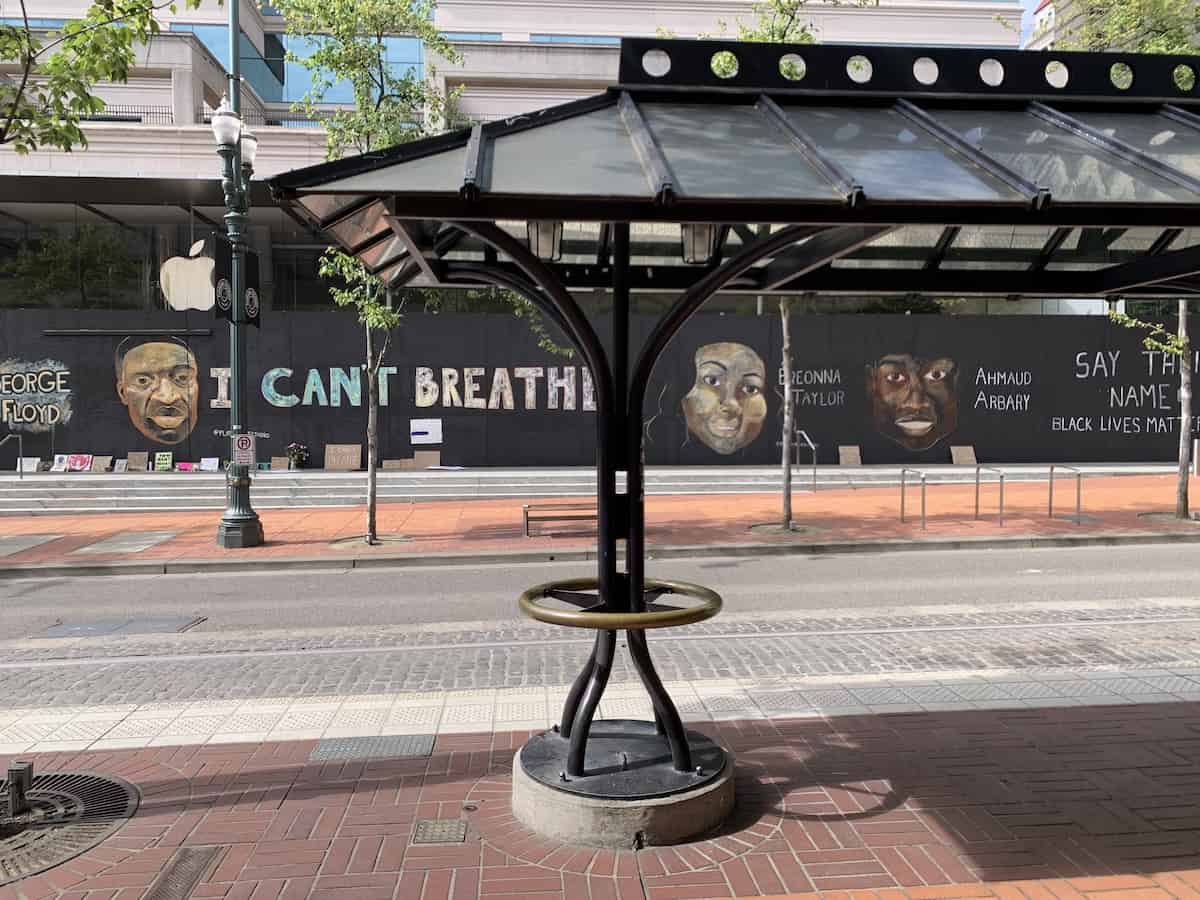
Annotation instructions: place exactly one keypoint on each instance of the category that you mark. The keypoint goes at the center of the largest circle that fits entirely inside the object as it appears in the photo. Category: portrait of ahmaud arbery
(158, 381)
(914, 401)
(726, 406)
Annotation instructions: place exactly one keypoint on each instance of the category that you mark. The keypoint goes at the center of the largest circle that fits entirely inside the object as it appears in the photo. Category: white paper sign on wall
(425, 431)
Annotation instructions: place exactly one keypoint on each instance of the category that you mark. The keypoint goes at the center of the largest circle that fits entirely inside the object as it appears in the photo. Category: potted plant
(297, 455)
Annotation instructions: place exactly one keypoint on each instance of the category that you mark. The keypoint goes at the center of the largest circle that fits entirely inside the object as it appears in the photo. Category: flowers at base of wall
(297, 454)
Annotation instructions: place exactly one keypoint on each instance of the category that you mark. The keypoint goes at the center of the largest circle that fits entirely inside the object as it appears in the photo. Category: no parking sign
(245, 451)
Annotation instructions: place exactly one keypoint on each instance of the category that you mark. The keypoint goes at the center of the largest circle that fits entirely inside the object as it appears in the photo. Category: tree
(91, 262)
(349, 42)
(44, 100)
(1147, 26)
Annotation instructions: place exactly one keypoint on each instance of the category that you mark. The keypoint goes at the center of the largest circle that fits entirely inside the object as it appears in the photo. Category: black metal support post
(240, 525)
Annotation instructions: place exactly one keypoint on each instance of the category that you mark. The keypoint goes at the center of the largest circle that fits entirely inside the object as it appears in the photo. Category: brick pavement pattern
(1039, 803)
(1112, 505)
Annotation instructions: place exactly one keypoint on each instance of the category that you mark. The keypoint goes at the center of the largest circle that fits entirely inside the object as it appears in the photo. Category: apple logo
(187, 281)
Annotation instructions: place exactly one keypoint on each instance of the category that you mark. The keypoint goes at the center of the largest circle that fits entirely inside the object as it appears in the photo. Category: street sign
(245, 451)
(225, 432)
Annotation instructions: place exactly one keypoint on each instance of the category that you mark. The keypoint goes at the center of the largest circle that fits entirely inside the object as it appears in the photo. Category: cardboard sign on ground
(210, 464)
(279, 463)
(101, 463)
(963, 456)
(29, 464)
(79, 462)
(343, 457)
(138, 461)
(121, 465)
(395, 464)
(164, 462)
(423, 459)
(849, 455)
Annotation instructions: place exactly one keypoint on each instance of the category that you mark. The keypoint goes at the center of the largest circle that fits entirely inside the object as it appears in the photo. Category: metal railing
(978, 470)
(812, 448)
(20, 453)
(149, 115)
(903, 486)
(256, 118)
(1078, 491)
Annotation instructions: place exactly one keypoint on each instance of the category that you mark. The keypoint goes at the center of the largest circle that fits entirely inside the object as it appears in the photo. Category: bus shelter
(723, 166)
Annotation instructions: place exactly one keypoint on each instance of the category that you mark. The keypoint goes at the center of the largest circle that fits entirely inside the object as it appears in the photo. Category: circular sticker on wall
(251, 303)
(224, 294)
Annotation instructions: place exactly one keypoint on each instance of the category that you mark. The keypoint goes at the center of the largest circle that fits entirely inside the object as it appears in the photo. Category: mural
(34, 396)
(725, 408)
(158, 382)
(480, 390)
(914, 402)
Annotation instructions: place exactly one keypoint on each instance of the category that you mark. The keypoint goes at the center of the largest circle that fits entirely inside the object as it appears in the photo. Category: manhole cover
(388, 746)
(440, 831)
(71, 813)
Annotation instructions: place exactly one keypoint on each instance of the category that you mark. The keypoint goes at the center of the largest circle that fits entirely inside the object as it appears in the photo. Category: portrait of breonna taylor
(158, 380)
(726, 406)
(913, 399)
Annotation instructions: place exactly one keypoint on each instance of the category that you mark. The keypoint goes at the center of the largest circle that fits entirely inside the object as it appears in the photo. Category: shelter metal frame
(805, 183)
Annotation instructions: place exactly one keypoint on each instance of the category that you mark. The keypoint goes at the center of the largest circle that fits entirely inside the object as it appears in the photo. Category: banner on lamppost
(223, 280)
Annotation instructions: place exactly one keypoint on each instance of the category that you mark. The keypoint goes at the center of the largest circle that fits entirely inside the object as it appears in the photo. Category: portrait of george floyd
(913, 399)
(158, 381)
(727, 403)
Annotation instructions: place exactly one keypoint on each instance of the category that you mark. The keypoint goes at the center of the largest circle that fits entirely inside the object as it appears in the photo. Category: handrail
(978, 470)
(903, 473)
(1078, 491)
(20, 453)
(800, 432)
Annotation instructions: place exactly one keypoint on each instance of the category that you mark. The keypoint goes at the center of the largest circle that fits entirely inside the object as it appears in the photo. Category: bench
(582, 511)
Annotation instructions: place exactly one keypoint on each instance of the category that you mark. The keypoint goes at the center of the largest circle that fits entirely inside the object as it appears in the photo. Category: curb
(511, 557)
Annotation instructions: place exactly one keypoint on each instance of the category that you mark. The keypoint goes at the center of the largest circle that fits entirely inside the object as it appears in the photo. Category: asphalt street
(902, 581)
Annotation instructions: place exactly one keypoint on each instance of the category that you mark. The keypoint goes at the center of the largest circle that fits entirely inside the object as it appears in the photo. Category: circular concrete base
(621, 824)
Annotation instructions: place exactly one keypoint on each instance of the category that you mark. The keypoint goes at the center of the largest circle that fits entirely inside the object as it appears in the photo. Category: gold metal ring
(709, 606)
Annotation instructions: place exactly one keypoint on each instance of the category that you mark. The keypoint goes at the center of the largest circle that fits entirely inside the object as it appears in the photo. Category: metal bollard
(1078, 492)
(979, 469)
(20, 782)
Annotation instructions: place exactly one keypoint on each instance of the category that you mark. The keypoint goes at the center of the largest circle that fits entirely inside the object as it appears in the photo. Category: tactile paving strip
(388, 746)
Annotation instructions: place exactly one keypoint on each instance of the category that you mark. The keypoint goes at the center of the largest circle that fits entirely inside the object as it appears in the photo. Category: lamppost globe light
(249, 148)
(226, 125)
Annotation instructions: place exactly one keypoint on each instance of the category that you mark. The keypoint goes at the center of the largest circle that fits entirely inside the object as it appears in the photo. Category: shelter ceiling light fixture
(545, 239)
(699, 242)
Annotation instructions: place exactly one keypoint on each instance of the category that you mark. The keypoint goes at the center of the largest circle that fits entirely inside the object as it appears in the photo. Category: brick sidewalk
(1111, 504)
(1069, 802)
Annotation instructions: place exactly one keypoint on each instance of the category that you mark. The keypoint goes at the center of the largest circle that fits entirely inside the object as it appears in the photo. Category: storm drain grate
(388, 746)
(440, 831)
(71, 813)
(183, 873)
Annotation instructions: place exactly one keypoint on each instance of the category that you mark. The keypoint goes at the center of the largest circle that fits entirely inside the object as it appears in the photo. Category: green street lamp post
(236, 145)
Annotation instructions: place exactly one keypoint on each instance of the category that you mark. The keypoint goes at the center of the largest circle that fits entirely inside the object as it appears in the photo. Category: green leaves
(1142, 26)
(44, 100)
(1157, 338)
(349, 42)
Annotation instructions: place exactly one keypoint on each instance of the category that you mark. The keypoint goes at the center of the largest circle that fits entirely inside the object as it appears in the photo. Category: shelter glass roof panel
(893, 158)
(586, 155)
(737, 153)
(439, 172)
(367, 223)
(1074, 170)
(1168, 141)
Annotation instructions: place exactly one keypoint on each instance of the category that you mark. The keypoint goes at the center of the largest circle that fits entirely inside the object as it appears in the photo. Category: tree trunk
(1185, 414)
(372, 433)
(785, 311)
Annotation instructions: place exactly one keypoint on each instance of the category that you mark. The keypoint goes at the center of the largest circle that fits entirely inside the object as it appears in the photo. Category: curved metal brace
(488, 274)
(690, 301)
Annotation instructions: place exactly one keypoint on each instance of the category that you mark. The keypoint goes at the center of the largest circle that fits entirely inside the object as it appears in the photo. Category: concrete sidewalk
(1114, 508)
